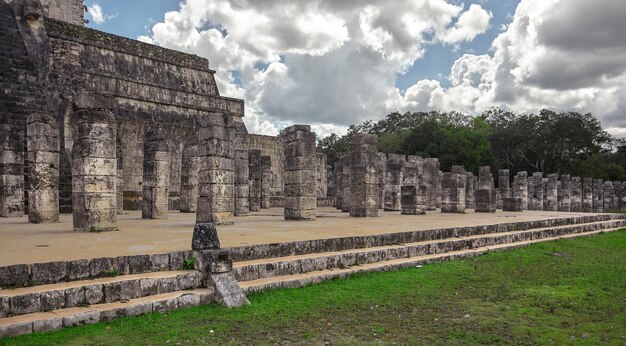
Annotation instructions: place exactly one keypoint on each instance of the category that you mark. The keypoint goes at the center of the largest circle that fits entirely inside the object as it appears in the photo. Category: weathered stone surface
(14, 276)
(431, 182)
(52, 300)
(25, 303)
(241, 147)
(227, 290)
(121, 290)
(100, 266)
(504, 190)
(16, 329)
(412, 200)
(74, 296)
(156, 176)
(188, 300)
(159, 262)
(190, 170)
(49, 272)
(598, 196)
(364, 181)
(300, 173)
(42, 141)
(520, 188)
(165, 305)
(565, 193)
(551, 197)
(138, 264)
(321, 175)
(393, 181)
(81, 318)
(513, 204)
(48, 325)
(78, 269)
(255, 179)
(205, 237)
(535, 200)
(577, 194)
(485, 195)
(587, 195)
(453, 193)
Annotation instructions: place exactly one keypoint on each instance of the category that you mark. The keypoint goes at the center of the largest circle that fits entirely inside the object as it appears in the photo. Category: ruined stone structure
(453, 193)
(470, 194)
(242, 170)
(486, 192)
(512, 204)
(520, 188)
(156, 176)
(364, 181)
(565, 193)
(598, 196)
(255, 178)
(300, 173)
(321, 177)
(267, 176)
(609, 196)
(339, 184)
(42, 141)
(431, 181)
(504, 190)
(535, 200)
(551, 198)
(273, 148)
(346, 184)
(577, 195)
(587, 195)
(381, 166)
(189, 177)
(393, 181)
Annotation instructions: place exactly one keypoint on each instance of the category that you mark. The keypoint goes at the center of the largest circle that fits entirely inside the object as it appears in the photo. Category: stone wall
(273, 147)
(71, 11)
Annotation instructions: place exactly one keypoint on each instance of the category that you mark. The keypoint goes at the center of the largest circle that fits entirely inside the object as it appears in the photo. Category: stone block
(139, 264)
(160, 262)
(47, 273)
(188, 300)
(205, 237)
(14, 276)
(52, 300)
(77, 270)
(122, 290)
(47, 325)
(25, 303)
(149, 286)
(82, 318)
(94, 294)
(513, 204)
(74, 296)
(166, 305)
(16, 329)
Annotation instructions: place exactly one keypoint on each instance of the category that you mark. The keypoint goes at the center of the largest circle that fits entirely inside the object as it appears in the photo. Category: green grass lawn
(564, 292)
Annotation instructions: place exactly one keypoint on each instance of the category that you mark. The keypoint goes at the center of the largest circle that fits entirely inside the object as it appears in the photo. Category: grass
(564, 292)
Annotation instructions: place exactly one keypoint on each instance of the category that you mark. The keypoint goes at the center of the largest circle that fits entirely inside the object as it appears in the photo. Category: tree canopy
(550, 142)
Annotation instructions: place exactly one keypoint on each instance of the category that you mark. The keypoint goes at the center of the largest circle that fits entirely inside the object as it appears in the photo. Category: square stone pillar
(618, 187)
(242, 174)
(609, 196)
(535, 200)
(598, 196)
(453, 193)
(576, 201)
(156, 176)
(439, 189)
(395, 171)
(190, 177)
(512, 204)
(520, 188)
(94, 170)
(256, 193)
(346, 179)
(504, 189)
(11, 171)
(486, 193)
(42, 143)
(565, 193)
(266, 181)
(216, 199)
(587, 197)
(300, 172)
(119, 187)
(381, 166)
(412, 191)
(339, 184)
(470, 198)
(321, 178)
(431, 181)
(551, 198)
(364, 181)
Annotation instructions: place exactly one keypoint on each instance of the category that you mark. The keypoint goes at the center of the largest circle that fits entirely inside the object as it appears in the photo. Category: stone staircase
(52, 306)
(302, 263)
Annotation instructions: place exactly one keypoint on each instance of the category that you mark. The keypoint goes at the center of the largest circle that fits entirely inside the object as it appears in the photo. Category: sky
(333, 63)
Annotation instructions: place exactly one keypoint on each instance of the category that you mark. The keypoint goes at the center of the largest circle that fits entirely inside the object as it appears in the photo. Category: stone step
(300, 280)
(280, 266)
(27, 300)
(265, 251)
(57, 319)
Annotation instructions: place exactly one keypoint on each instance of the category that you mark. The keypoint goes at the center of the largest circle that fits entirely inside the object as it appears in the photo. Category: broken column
(300, 171)
(587, 197)
(453, 193)
(412, 191)
(242, 184)
(619, 193)
(551, 198)
(94, 170)
(504, 190)
(364, 182)
(346, 177)
(320, 177)
(11, 172)
(565, 193)
(395, 169)
(255, 177)
(339, 184)
(381, 165)
(486, 193)
(189, 177)
(576, 196)
(535, 200)
(266, 181)
(156, 176)
(470, 199)
(598, 196)
(42, 143)
(520, 188)
(216, 191)
(512, 204)
(609, 196)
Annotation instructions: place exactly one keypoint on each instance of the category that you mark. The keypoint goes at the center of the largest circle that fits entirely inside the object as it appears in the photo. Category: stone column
(412, 191)
(156, 176)
(598, 196)
(486, 193)
(11, 171)
(381, 165)
(431, 181)
(330, 182)
(520, 188)
(512, 204)
(254, 161)
(266, 181)
(42, 142)
(453, 193)
(623, 198)
(439, 189)
(587, 197)
(300, 171)
(189, 177)
(565, 193)
(504, 190)
(346, 177)
(216, 199)
(364, 182)
(242, 174)
(119, 187)
(94, 170)
(551, 199)
(536, 201)
(320, 177)
(609, 196)
(619, 192)
(470, 199)
(395, 170)
(339, 184)
(577, 194)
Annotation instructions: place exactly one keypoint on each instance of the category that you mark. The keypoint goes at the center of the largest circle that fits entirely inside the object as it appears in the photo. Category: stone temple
(103, 133)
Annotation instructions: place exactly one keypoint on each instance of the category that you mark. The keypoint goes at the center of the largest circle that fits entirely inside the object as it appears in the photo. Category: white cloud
(472, 22)
(97, 14)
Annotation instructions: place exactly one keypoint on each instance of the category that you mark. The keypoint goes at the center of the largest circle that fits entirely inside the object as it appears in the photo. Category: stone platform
(21, 242)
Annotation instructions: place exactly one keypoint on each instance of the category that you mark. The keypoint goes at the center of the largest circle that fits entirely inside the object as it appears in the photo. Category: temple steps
(297, 271)
(53, 297)
(75, 316)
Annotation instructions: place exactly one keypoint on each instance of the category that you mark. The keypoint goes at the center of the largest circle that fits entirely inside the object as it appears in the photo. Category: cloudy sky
(332, 63)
